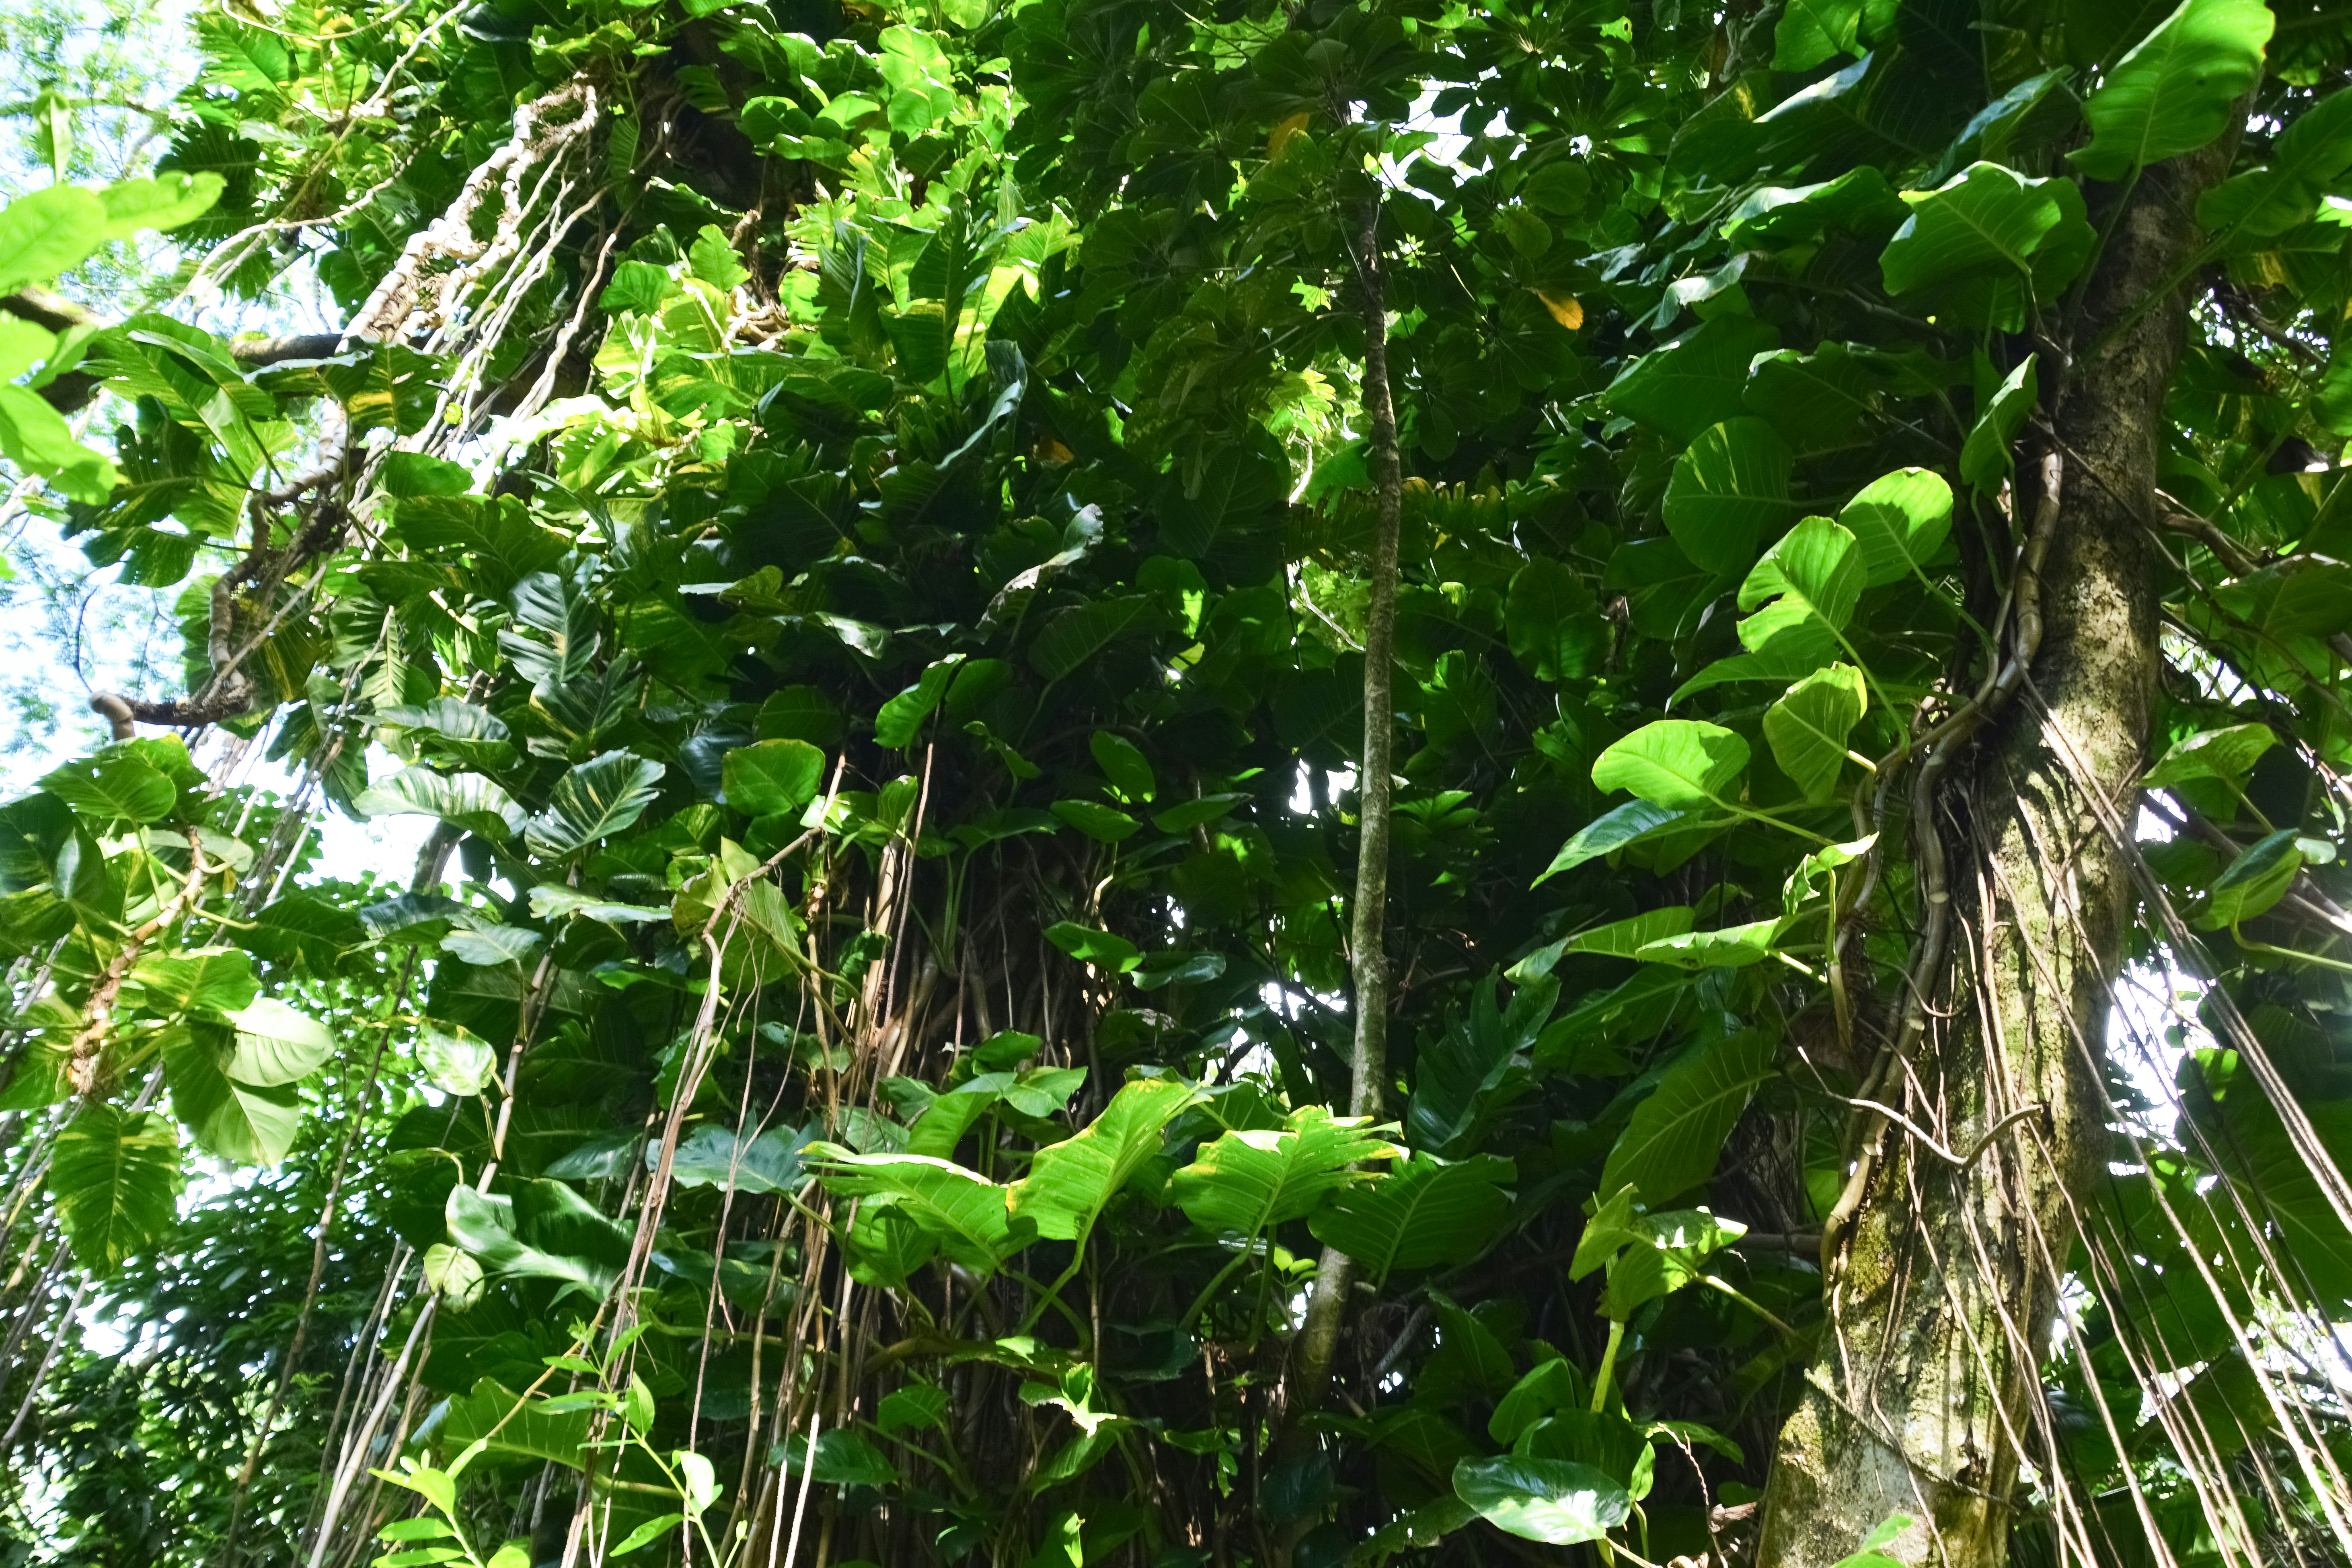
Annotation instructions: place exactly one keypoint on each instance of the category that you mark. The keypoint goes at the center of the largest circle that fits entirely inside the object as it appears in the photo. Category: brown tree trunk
(1942, 1290)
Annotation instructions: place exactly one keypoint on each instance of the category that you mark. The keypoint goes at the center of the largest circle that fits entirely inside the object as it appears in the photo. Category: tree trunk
(1941, 1297)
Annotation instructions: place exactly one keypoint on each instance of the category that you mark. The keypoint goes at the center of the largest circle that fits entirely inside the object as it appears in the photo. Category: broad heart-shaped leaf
(1985, 458)
(116, 1179)
(197, 979)
(1694, 381)
(1556, 1501)
(1777, 215)
(594, 801)
(474, 735)
(1630, 824)
(1727, 491)
(895, 725)
(47, 232)
(2253, 882)
(1983, 237)
(1075, 636)
(2173, 93)
(466, 800)
(1070, 1183)
(2313, 153)
(161, 204)
(456, 1060)
(1037, 1092)
(545, 1231)
(1123, 764)
(1668, 1251)
(248, 1126)
(1459, 1076)
(1898, 522)
(1425, 1211)
(964, 1210)
(1557, 632)
(1808, 728)
(1246, 1183)
(1101, 949)
(2229, 753)
(772, 776)
(1244, 486)
(113, 786)
(1731, 947)
(276, 1044)
(1816, 564)
(554, 901)
(508, 1423)
(1811, 31)
(554, 641)
(765, 1162)
(1817, 400)
(1672, 1143)
(1622, 938)
(1674, 762)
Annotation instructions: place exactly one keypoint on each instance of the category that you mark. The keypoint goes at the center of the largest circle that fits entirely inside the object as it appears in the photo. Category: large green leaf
(2310, 157)
(236, 1121)
(596, 800)
(474, 736)
(1984, 238)
(47, 232)
(2256, 879)
(511, 1426)
(899, 719)
(1727, 491)
(2174, 92)
(1695, 381)
(161, 204)
(1817, 565)
(1558, 1501)
(1069, 1183)
(1677, 763)
(1808, 728)
(964, 1210)
(276, 1044)
(1635, 821)
(194, 980)
(1985, 457)
(772, 776)
(2227, 753)
(466, 800)
(1557, 630)
(555, 639)
(1672, 1143)
(113, 786)
(1900, 521)
(1622, 938)
(1425, 1211)
(116, 1178)
(1248, 1182)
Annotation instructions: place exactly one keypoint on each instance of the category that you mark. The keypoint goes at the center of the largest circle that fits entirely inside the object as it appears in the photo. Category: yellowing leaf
(1564, 309)
(1279, 137)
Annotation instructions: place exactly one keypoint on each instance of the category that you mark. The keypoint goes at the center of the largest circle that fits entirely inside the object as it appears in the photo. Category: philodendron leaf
(238, 1121)
(2174, 92)
(276, 1044)
(773, 778)
(466, 800)
(1425, 1211)
(1816, 564)
(1622, 938)
(2227, 753)
(1116, 955)
(198, 979)
(1556, 1501)
(554, 901)
(116, 1179)
(1808, 728)
(1246, 1182)
(2256, 879)
(45, 232)
(1674, 762)
(1672, 1143)
(1985, 457)
(596, 800)
(1727, 491)
(1986, 238)
(2313, 153)
(113, 786)
(963, 1209)
(895, 725)
(1630, 824)
(474, 735)
(1900, 521)
(1070, 1183)
(1732, 947)
(456, 1060)
(161, 204)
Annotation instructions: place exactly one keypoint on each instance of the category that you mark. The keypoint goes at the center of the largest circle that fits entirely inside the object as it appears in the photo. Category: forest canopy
(1250, 786)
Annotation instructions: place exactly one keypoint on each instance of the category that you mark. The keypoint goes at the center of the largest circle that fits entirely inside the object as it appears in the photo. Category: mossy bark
(1942, 1300)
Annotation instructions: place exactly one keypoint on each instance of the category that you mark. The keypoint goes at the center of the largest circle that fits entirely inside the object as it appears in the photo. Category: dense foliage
(856, 538)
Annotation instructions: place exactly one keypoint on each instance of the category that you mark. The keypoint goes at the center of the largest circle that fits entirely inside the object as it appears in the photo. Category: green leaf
(36, 438)
(514, 1427)
(1727, 492)
(594, 801)
(1424, 1212)
(2174, 92)
(1551, 1387)
(964, 1210)
(1124, 765)
(773, 778)
(1811, 31)
(1557, 630)
(1071, 639)
(248, 1126)
(1985, 239)
(47, 232)
(1245, 487)
(553, 900)
(1115, 955)
(195, 979)
(455, 1061)
(1622, 938)
(1694, 381)
(2310, 156)
(1817, 565)
(276, 1044)
(116, 1179)
(1808, 728)
(1985, 458)
(1248, 1182)
(1677, 763)
(474, 736)
(762, 1163)
(1556, 1501)
(1070, 1183)
(646, 1534)
(2256, 879)
(2227, 753)
(902, 716)
(1676, 1135)
(466, 800)
(1104, 824)
(1900, 521)
(1633, 823)
(162, 203)
(113, 786)
(491, 946)
(1733, 948)
(1187, 815)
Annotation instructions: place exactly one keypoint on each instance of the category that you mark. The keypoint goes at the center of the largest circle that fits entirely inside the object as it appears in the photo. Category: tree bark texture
(1941, 1300)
